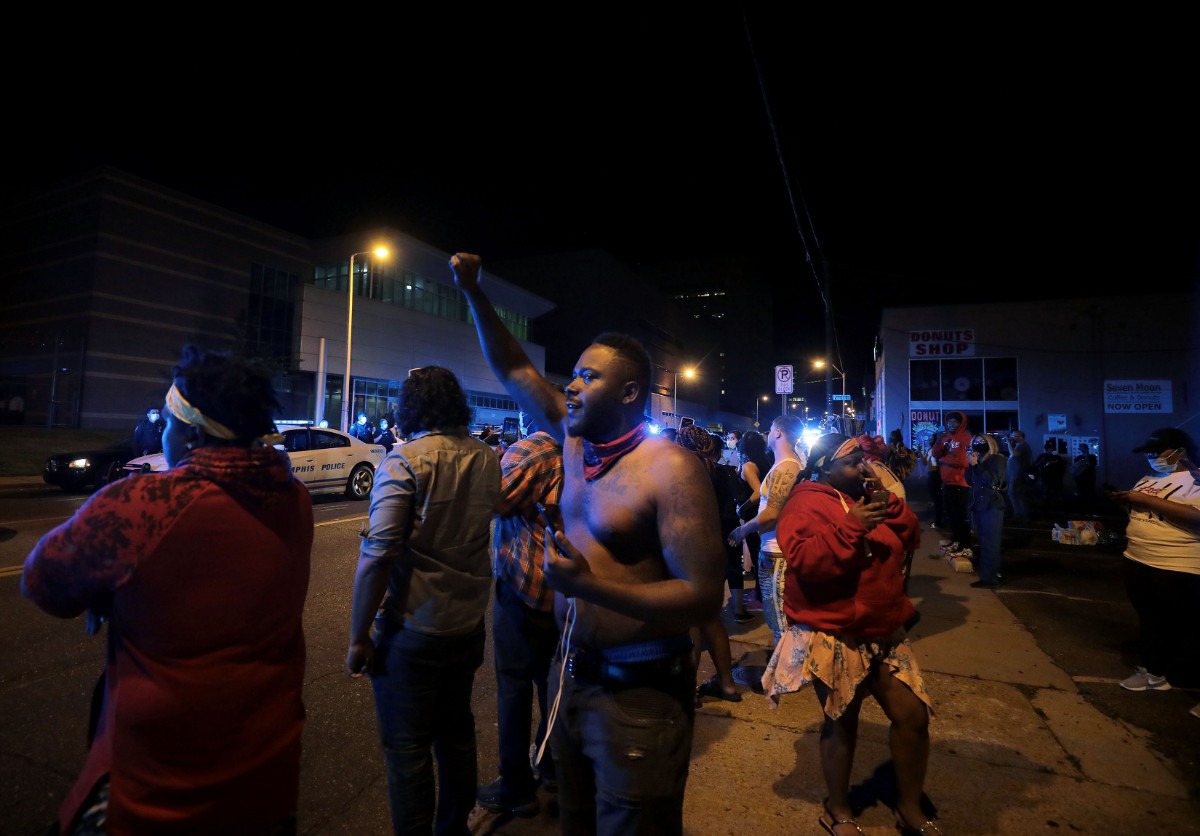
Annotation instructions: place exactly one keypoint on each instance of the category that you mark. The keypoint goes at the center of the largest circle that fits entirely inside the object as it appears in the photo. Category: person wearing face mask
(986, 474)
(1162, 573)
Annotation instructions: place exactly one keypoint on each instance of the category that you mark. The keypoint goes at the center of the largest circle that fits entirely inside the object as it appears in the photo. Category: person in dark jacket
(147, 435)
(987, 476)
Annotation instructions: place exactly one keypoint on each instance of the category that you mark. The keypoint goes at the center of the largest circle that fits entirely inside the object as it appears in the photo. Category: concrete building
(1103, 370)
(108, 275)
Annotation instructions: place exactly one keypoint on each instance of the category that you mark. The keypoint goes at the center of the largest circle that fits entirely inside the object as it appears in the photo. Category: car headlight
(79, 463)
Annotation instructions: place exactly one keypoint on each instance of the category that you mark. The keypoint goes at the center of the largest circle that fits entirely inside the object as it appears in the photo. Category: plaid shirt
(532, 471)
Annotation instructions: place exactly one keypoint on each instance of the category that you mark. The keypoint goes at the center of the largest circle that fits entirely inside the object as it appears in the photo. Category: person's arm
(508, 361)
(1185, 516)
(382, 546)
(690, 535)
(779, 487)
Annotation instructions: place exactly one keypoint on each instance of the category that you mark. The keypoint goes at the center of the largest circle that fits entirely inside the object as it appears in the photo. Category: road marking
(11, 523)
(1008, 590)
(9, 571)
(344, 519)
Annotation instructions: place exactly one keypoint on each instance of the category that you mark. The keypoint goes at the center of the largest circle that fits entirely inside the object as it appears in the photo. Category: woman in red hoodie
(847, 611)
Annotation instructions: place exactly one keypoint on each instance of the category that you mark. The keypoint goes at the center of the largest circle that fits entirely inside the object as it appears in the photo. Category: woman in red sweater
(847, 615)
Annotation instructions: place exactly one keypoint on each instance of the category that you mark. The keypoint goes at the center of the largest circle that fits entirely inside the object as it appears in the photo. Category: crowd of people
(605, 554)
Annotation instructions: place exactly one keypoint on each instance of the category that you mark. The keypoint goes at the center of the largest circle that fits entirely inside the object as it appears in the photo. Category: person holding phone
(846, 636)
(1162, 569)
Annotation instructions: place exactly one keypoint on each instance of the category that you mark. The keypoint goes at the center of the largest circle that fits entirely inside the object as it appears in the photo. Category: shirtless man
(635, 562)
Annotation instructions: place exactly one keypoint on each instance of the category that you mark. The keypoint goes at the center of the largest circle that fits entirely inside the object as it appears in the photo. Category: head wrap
(188, 414)
(846, 448)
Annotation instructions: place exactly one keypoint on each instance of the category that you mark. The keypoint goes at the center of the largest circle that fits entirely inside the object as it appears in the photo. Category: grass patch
(26, 448)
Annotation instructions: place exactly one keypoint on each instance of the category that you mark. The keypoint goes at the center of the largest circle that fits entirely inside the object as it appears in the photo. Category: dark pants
(523, 644)
(1166, 603)
(622, 755)
(957, 502)
(423, 706)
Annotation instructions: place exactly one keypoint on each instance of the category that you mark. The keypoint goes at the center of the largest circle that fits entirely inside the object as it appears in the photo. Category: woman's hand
(870, 514)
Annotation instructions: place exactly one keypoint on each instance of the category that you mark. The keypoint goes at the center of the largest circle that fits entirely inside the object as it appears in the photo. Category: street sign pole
(784, 380)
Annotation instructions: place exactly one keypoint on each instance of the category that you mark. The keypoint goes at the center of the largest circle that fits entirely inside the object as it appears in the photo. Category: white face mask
(1163, 463)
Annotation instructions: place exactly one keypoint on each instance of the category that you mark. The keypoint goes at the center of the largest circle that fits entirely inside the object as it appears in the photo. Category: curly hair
(432, 399)
(228, 388)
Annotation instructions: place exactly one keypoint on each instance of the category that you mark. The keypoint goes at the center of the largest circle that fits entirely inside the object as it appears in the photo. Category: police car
(326, 461)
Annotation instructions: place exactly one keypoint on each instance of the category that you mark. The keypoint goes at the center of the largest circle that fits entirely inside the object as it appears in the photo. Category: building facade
(108, 275)
(1105, 371)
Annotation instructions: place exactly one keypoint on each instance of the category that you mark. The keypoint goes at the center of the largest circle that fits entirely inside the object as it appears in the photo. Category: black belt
(592, 668)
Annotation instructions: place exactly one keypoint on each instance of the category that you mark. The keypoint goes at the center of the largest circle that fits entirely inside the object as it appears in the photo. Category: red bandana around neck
(598, 458)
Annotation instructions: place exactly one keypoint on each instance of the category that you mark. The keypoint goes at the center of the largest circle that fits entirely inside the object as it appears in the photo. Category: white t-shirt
(1157, 542)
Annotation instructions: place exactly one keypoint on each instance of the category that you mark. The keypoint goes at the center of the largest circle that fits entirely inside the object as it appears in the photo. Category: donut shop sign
(950, 342)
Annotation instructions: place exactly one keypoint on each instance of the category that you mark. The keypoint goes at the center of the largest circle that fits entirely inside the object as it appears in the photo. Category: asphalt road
(1070, 597)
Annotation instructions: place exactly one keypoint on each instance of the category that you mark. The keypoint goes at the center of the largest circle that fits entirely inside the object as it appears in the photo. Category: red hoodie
(841, 578)
(951, 452)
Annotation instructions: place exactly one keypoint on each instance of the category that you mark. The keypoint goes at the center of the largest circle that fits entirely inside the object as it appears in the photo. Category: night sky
(922, 161)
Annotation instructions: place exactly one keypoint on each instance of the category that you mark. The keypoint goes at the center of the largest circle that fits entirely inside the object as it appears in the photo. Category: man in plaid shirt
(524, 632)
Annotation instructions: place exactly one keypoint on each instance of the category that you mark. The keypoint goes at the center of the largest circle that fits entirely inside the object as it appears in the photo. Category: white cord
(564, 644)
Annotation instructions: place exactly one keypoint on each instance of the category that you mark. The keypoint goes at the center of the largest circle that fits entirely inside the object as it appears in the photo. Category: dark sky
(921, 160)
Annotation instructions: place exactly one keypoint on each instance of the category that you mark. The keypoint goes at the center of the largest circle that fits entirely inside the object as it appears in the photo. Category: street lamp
(347, 396)
(687, 373)
(757, 404)
(817, 364)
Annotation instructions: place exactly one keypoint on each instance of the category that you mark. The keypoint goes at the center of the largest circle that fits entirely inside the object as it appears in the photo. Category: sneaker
(495, 798)
(1143, 680)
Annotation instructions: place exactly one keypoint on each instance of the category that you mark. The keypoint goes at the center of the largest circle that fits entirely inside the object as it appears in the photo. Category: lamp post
(687, 373)
(757, 404)
(347, 395)
(820, 364)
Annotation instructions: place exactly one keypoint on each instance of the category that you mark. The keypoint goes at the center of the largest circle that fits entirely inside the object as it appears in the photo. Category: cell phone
(880, 496)
(544, 516)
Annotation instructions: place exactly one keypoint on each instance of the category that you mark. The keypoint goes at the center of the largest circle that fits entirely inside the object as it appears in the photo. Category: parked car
(83, 469)
(326, 461)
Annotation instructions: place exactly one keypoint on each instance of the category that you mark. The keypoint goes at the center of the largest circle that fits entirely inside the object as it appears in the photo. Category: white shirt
(1157, 542)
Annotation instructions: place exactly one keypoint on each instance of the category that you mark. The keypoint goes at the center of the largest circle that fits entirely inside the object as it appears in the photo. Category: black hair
(632, 352)
(432, 399)
(230, 389)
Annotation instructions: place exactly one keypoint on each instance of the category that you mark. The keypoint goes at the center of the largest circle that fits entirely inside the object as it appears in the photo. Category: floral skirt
(803, 654)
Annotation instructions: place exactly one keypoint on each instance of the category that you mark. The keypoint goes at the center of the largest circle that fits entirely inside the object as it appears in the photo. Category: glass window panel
(962, 379)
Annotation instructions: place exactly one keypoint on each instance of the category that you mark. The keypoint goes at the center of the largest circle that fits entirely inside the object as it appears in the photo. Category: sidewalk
(1014, 748)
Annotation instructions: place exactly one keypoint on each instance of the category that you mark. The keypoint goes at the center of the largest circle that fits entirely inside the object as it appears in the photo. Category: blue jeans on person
(423, 687)
(622, 754)
(989, 524)
(524, 641)
(770, 582)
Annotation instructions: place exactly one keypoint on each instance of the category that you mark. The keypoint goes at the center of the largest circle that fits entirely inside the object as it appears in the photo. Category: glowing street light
(687, 373)
(347, 395)
(817, 364)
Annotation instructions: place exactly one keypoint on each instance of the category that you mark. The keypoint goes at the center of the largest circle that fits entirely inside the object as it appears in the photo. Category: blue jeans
(523, 644)
(770, 583)
(989, 524)
(422, 689)
(622, 755)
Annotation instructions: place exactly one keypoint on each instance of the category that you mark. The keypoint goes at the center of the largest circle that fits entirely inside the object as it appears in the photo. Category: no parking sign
(783, 380)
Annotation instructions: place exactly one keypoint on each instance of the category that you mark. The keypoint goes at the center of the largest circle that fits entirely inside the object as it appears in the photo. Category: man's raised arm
(504, 354)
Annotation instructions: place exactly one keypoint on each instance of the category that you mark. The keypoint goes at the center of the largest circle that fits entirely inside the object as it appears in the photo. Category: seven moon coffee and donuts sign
(1137, 397)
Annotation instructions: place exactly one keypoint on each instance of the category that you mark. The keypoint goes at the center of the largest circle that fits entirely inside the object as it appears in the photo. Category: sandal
(834, 821)
(927, 827)
(712, 688)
